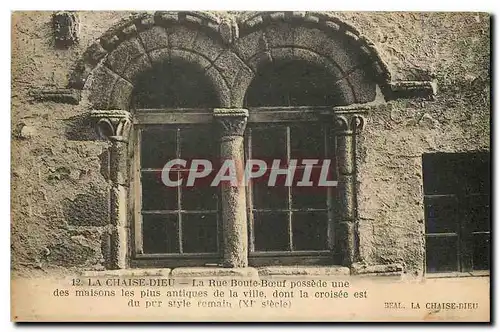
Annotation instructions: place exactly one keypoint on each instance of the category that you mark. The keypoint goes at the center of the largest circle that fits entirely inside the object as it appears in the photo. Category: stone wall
(60, 181)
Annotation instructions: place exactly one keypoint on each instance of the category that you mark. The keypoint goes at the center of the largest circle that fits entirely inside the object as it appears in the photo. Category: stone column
(348, 125)
(115, 125)
(231, 124)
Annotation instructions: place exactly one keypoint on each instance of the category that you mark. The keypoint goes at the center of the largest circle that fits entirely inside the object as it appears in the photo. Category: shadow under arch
(294, 83)
(173, 84)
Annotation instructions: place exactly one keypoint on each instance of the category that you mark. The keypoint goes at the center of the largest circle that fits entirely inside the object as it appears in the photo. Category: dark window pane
(478, 213)
(174, 84)
(269, 143)
(310, 197)
(202, 197)
(443, 174)
(160, 234)
(155, 194)
(296, 82)
(199, 232)
(271, 231)
(307, 141)
(481, 256)
(198, 143)
(441, 215)
(158, 146)
(477, 173)
(453, 173)
(266, 197)
(309, 230)
(441, 253)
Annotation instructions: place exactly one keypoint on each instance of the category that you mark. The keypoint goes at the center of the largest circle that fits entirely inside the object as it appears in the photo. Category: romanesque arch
(230, 51)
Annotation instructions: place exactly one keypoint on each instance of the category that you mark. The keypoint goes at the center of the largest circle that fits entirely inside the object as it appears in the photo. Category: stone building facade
(402, 100)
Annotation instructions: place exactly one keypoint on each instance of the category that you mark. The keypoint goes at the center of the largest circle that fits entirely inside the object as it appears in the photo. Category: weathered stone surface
(66, 28)
(120, 96)
(69, 252)
(199, 272)
(137, 66)
(159, 55)
(101, 87)
(88, 209)
(251, 44)
(220, 85)
(346, 242)
(363, 86)
(191, 57)
(119, 60)
(207, 46)
(181, 37)
(280, 35)
(27, 132)
(154, 38)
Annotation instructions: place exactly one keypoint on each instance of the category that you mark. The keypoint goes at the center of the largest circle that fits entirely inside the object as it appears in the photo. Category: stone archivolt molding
(230, 50)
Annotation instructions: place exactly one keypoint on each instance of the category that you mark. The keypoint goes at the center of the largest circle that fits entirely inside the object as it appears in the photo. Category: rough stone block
(250, 45)
(119, 60)
(136, 67)
(280, 35)
(190, 57)
(160, 55)
(181, 37)
(103, 81)
(363, 85)
(154, 38)
(220, 86)
(230, 66)
(309, 38)
(207, 46)
(120, 96)
(336, 49)
(319, 60)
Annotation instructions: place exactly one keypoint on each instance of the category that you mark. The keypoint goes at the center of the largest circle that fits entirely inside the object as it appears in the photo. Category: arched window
(177, 225)
(291, 224)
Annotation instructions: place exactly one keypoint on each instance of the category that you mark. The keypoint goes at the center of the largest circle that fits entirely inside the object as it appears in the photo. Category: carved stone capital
(231, 121)
(349, 123)
(113, 125)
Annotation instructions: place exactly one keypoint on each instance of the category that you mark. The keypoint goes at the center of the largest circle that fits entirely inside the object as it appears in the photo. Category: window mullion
(329, 191)
(251, 237)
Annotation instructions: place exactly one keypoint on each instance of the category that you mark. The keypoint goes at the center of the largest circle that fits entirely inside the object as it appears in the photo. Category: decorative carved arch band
(230, 50)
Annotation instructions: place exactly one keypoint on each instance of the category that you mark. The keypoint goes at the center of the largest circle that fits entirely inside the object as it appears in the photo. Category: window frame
(464, 227)
(192, 116)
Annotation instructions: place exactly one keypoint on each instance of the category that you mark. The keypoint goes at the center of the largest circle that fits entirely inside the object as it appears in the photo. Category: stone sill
(207, 272)
(484, 273)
